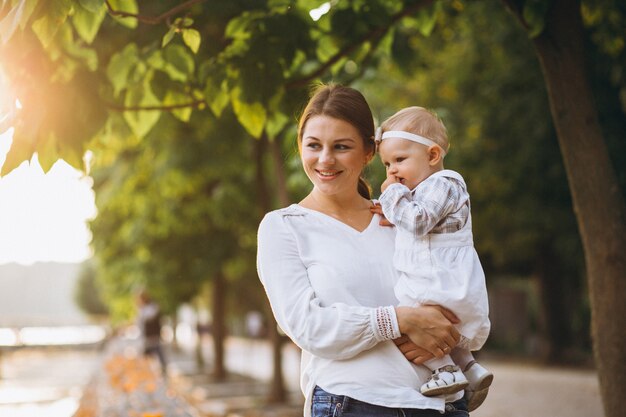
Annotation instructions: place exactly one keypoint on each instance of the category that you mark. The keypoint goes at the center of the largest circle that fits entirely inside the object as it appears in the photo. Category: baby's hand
(377, 209)
(390, 180)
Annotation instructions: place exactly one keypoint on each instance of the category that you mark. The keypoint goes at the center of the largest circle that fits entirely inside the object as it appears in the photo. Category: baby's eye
(400, 159)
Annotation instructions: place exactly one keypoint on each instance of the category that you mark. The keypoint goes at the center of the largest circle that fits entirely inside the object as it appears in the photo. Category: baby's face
(407, 162)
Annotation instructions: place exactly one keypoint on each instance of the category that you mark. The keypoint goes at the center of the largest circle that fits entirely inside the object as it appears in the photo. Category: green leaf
(87, 22)
(174, 98)
(426, 19)
(47, 152)
(535, 16)
(326, 48)
(120, 66)
(94, 6)
(18, 153)
(54, 14)
(141, 121)
(169, 35)
(11, 21)
(77, 49)
(275, 123)
(128, 6)
(252, 116)
(180, 61)
(28, 11)
(217, 97)
(386, 42)
(238, 27)
(72, 155)
(192, 39)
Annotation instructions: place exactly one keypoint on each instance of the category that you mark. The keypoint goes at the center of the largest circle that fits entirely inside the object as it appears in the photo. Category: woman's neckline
(337, 220)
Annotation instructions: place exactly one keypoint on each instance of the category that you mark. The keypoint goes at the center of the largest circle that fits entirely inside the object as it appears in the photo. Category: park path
(49, 383)
(520, 389)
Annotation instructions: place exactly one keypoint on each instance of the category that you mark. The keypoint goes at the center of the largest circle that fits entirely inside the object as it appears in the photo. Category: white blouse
(326, 283)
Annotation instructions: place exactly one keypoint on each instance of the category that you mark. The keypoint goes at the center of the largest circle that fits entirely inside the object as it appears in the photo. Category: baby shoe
(479, 381)
(446, 380)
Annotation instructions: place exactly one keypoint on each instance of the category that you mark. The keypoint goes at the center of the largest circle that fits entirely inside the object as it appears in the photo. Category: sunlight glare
(43, 216)
(317, 13)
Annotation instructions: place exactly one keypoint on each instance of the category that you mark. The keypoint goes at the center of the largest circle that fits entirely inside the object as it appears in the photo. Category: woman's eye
(313, 145)
(342, 147)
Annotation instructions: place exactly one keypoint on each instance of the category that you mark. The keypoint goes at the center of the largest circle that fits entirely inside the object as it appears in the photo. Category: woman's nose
(327, 156)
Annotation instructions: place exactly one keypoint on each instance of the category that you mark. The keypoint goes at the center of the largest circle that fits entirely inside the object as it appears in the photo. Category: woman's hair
(349, 105)
(420, 121)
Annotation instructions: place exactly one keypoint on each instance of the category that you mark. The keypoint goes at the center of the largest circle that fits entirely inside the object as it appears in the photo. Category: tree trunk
(281, 176)
(598, 202)
(554, 295)
(277, 392)
(218, 327)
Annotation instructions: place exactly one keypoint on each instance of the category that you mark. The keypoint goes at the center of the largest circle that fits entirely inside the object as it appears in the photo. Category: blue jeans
(330, 405)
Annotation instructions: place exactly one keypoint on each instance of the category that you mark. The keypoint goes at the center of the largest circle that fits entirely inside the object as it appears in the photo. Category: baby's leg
(478, 377)
(462, 357)
(436, 363)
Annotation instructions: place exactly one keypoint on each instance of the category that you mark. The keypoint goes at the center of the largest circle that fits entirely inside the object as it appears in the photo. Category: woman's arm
(338, 331)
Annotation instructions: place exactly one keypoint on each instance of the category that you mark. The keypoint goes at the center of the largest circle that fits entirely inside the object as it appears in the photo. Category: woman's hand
(411, 351)
(429, 327)
(377, 209)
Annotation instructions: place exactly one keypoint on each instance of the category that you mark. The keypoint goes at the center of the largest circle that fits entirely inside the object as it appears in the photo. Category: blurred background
(141, 143)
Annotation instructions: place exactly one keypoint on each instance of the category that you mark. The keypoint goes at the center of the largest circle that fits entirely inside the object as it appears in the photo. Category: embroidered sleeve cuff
(386, 323)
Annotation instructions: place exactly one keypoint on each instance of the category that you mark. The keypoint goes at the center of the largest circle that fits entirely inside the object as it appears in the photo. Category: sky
(43, 217)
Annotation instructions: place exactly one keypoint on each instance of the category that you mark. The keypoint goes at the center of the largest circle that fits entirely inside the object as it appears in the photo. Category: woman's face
(333, 155)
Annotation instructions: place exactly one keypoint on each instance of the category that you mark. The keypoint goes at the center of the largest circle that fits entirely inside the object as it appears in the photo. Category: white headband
(408, 136)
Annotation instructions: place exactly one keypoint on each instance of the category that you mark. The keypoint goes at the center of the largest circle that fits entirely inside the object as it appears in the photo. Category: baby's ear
(435, 155)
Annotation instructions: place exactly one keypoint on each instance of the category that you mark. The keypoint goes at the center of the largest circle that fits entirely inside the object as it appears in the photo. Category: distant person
(254, 325)
(434, 250)
(149, 321)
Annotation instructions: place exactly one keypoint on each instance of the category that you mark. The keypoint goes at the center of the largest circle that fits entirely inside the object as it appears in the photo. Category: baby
(434, 252)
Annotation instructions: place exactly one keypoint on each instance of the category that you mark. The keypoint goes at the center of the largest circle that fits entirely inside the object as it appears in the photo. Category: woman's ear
(370, 155)
(435, 155)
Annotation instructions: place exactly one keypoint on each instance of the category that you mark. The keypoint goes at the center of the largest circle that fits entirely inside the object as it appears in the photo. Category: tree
(187, 218)
(597, 197)
(87, 294)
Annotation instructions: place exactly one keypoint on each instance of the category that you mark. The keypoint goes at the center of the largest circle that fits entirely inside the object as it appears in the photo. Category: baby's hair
(419, 121)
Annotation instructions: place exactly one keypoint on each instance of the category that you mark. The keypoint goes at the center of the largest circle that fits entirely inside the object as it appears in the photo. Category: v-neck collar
(337, 221)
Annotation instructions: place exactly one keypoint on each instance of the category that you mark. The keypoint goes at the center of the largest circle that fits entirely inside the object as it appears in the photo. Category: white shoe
(446, 380)
(479, 381)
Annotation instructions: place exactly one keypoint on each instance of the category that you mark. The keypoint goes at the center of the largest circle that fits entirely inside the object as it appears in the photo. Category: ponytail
(364, 188)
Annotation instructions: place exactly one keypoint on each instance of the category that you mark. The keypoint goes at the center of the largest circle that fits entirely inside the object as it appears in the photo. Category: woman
(326, 264)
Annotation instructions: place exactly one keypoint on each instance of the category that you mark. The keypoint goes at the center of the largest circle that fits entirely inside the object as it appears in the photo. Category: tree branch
(194, 104)
(516, 10)
(378, 32)
(153, 20)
